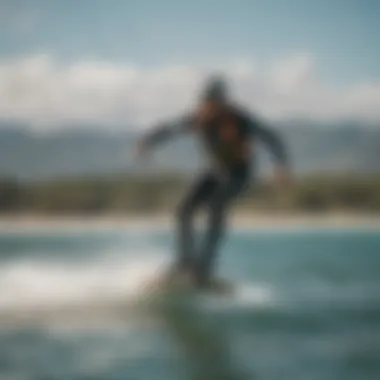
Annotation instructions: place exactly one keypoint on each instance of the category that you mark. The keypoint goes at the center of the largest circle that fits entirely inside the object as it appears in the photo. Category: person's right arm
(165, 131)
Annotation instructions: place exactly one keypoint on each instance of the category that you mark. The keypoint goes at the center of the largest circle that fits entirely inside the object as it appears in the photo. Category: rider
(227, 133)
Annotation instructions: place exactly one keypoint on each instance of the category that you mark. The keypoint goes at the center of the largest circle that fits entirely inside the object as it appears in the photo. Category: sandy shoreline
(21, 223)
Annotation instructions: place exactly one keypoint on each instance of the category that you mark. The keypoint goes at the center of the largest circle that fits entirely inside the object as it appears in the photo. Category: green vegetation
(127, 195)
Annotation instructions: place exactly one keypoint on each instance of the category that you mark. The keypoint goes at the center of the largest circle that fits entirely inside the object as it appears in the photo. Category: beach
(165, 220)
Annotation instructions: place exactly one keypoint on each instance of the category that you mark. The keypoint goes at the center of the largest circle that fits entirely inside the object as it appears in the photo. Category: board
(185, 284)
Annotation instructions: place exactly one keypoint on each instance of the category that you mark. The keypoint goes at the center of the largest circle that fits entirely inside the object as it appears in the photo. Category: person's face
(211, 109)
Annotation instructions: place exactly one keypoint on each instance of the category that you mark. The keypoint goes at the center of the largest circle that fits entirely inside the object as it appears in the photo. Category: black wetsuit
(226, 139)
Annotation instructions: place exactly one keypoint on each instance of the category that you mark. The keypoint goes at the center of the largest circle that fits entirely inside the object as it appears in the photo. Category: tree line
(315, 193)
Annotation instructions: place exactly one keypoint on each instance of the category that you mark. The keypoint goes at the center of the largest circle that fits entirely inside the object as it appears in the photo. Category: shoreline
(20, 223)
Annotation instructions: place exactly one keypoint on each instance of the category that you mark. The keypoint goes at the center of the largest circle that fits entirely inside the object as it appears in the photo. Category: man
(226, 133)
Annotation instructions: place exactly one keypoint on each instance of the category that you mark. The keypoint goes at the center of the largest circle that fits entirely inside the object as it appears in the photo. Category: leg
(218, 207)
(198, 194)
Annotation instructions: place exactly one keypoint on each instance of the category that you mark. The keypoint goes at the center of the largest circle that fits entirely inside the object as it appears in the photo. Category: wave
(112, 286)
(39, 285)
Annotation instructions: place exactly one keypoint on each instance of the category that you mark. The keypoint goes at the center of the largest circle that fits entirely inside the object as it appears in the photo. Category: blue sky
(316, 57)
(342, 35)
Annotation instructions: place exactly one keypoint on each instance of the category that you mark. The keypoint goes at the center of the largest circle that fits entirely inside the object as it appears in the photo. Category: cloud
(46, 94)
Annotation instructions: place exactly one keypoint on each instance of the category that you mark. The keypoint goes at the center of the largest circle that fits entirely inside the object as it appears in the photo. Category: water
(73, 305)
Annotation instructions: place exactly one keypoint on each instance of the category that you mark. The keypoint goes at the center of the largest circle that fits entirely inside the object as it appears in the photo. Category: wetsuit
(228, 141)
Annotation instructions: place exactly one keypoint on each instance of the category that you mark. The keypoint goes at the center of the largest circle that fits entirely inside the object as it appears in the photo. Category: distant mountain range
(347, 147)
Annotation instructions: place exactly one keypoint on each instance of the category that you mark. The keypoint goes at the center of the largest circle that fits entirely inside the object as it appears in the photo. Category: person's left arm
(274, 142)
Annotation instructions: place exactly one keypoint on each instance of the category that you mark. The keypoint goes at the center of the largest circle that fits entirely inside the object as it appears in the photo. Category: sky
(135, 62)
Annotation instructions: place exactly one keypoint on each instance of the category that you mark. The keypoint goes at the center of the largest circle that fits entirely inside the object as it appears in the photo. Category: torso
(227, 139)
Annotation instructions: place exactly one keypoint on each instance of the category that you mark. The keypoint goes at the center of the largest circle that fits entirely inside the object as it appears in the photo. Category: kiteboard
(184, 283)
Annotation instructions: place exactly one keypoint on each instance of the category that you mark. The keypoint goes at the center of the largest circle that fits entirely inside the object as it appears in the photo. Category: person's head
(214, 96)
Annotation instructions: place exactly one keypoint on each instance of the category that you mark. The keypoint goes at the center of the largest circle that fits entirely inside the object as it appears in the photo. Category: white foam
(246, 295)
(38, 284)
(249, 294)
(96, 292)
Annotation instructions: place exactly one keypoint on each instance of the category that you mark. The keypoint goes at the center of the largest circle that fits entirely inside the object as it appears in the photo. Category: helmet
(215, 89)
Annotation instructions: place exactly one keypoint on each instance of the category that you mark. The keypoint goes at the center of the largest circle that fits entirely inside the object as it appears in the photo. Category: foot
(201, 280)
(183, 273)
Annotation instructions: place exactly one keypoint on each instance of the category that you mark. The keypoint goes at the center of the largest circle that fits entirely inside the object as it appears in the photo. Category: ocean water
(75, 304)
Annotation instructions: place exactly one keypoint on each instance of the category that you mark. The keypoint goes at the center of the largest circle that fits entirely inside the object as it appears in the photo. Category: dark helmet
(215, 89)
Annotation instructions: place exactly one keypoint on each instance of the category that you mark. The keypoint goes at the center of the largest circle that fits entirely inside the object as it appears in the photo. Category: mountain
(348, 147)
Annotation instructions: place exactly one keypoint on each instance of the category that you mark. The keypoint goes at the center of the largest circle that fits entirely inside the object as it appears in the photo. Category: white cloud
(46, 94)
(293, 74)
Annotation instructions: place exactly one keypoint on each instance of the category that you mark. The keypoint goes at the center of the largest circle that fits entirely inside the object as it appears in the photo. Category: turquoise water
(73, 305)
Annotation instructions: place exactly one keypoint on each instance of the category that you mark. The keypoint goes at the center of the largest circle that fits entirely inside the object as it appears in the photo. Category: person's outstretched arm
(165, 131)
(273, 142)
(276, 145)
